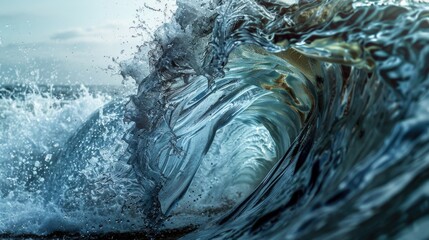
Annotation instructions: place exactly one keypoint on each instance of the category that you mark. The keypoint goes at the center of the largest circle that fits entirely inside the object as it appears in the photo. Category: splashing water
(258, 119)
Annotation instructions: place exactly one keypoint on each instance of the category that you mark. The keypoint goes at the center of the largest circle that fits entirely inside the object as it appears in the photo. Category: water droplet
(49, 156)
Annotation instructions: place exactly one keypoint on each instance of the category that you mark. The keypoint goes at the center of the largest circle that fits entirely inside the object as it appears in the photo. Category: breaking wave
(274, 119)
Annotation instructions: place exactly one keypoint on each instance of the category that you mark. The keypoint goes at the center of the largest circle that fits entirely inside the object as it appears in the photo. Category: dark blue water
(259, 119)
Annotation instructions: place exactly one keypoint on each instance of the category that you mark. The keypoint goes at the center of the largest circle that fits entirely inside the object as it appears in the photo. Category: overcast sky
(70, 41)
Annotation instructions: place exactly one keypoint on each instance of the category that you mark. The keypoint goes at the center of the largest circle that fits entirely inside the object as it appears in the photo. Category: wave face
(258, 119)
(291, 119)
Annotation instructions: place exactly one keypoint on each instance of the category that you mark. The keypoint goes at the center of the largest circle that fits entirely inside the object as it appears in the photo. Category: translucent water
(258, 119)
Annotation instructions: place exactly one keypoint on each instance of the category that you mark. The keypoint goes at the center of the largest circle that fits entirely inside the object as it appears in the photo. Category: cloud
(111, 32)
(70, 34)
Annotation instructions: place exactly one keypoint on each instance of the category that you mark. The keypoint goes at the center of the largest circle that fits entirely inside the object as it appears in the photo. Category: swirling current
(258, 119)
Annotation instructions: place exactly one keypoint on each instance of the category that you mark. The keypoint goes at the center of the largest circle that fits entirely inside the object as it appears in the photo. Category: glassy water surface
(247, 119)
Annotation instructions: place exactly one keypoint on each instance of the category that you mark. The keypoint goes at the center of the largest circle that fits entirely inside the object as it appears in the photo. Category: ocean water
(257, 120)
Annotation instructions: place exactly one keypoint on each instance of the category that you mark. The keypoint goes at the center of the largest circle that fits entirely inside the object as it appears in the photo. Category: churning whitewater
(256, 119)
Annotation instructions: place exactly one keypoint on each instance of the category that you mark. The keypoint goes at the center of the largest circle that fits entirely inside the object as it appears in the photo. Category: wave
(273, 119)
(298, 120)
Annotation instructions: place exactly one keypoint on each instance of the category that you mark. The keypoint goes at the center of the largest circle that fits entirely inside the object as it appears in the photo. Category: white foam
(32, 129)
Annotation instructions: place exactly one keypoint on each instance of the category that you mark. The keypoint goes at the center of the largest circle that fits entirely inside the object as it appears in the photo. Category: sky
(72, 41)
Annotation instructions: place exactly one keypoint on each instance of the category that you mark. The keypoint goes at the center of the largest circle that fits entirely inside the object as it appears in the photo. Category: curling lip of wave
(355, 73)
(258, 119)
